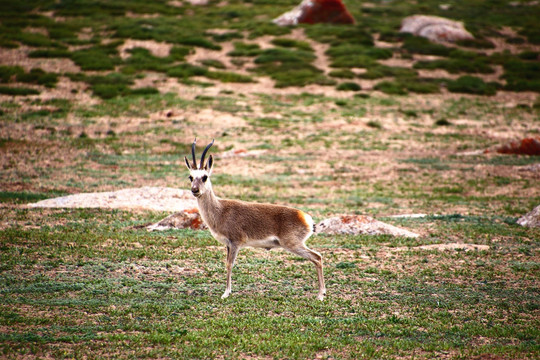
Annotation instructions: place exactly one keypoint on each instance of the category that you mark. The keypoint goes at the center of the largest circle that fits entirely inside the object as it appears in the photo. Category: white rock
(532, 219)
(435, 28)
(145, 198)
(290, 18)
(360, 224)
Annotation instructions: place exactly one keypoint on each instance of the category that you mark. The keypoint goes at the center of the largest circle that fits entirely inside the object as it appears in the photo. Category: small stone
(187, 219)
(532, 219)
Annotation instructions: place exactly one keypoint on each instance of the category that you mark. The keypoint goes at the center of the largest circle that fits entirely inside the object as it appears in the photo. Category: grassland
(104, 95)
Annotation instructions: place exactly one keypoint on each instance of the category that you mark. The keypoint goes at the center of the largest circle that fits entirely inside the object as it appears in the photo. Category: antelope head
(200, 176)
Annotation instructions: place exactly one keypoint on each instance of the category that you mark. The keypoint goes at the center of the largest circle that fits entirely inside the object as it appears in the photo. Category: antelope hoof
(320, 297)
(225, 294)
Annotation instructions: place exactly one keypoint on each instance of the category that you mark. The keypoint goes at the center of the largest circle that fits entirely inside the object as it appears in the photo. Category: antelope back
(243, 221)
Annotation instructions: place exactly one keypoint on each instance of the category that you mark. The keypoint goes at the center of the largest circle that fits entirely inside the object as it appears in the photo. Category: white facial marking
(199, 173)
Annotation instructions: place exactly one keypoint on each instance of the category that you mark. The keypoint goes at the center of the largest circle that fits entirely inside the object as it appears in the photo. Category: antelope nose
(195, 190)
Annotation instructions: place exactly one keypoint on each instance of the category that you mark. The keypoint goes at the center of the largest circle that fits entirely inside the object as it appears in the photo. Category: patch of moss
(421, 86)
(455, 66)
(257, 29)
(34, 39)
(142, 59)
(532, 33)
(391, 88)
(529, 55)
(148, 90)
(478, 43)
(349, 86)
(228, 36)
(186, 70)
(9, 73)
(178, 53)
(199, 41)
(343, 74)
(35, 76)
(213, 63)
(292, 43)
(95, 58)
(189, 31)
(228, 77)
(339, 34)
(289, 67)
(471, 85)
(50, 53)
(522, 75)
(353, 55)
(404, 85)
(280, 55)
(17, 91)
(380, 71)
(245, 49)
(420, 45)
(353, 61)
(39, 77)
(108, 86)
(8, 43)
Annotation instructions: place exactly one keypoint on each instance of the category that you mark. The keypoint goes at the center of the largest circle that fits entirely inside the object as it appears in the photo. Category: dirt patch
(445, 247)
(19, 57)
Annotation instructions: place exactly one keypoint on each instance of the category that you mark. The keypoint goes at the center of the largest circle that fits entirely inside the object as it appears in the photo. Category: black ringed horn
(193, 154)
(204, 153)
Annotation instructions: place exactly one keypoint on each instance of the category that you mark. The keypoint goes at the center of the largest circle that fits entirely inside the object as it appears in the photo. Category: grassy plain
(104, 95)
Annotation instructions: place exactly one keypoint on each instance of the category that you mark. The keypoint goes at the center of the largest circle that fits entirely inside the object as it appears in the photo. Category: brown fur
(238, 224)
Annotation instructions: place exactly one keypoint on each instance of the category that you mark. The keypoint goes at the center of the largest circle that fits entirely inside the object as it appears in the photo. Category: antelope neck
(208, 206)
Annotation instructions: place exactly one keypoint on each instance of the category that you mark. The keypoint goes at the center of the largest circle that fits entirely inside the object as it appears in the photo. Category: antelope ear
(209, 163)
(187, 163)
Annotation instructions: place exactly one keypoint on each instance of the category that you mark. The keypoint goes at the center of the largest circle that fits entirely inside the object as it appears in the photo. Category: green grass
(229, 77)
(94, 283)
(24, 197)
(419, 45)
(349, 86)
(112, 291)
(379, 71)
(94, 59)
(522, 75)
(244, 49)
(213, 63)
(34, 76)
(348, 55)
(472, 85)
(142, 60)
(455, 66)
(288, 67)
(17, 91)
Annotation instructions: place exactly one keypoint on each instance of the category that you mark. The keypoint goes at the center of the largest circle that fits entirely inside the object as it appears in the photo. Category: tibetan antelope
(238, 224)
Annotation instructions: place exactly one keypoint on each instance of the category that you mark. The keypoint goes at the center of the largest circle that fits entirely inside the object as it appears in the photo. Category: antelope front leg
(232, 252)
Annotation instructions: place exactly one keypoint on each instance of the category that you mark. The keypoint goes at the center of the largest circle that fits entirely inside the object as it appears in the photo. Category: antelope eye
(191, 178)
(204, 178)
